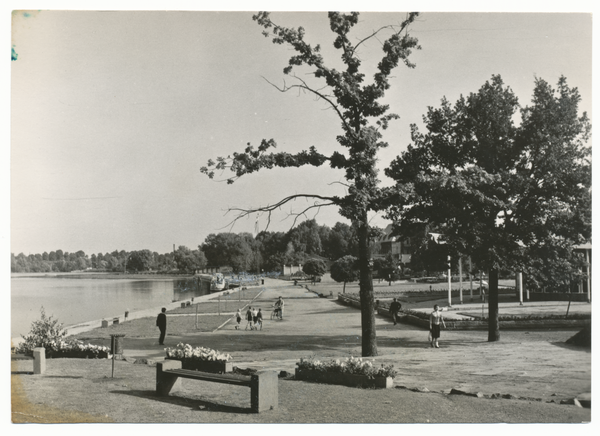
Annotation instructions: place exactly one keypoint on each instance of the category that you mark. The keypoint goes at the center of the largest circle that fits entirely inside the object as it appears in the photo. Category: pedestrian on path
(249, 319)
(434, 325)
(238, 319)
(161, 323)
(279, 307)
(259, 318)
(394, 309)
(255, 317)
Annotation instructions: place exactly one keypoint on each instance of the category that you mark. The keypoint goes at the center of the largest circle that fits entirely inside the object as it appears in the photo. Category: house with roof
(400, 249)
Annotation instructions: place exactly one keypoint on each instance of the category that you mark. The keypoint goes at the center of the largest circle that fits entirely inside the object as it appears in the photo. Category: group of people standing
(254, 316)
(436, 320)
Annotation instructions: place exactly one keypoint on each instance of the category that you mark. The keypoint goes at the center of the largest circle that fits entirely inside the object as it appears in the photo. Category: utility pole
(520, 287)
(460, 286)
(471, 277)
(449, 283)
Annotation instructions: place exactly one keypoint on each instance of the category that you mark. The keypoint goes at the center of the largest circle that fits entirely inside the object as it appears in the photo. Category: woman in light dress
(434, 325)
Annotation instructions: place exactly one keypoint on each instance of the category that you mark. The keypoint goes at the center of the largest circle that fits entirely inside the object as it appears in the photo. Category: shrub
(43, 333)
(48, 333)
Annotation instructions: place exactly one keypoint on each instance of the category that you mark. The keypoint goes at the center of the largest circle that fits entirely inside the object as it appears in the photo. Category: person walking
(249, 319)
(238, 319)
(279, 307)
(161, 323)
(255, 317)
(394, 309)
(259, 318)
(434, 325)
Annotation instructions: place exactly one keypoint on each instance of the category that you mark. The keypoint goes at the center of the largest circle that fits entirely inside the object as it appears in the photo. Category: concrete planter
(334, 378)
(214, 366)
(76, 355)
(348, 301)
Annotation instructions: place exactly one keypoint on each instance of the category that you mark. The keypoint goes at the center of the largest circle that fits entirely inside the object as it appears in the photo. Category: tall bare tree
(362, 117)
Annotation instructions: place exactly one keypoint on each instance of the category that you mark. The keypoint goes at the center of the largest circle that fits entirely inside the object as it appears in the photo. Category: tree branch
(403, 26)
(370, 36)
(242, 213)
(305, 86)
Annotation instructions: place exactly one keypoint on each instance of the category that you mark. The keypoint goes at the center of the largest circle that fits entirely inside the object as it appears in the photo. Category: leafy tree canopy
(345, 270)
(314, 267)
(498, 190)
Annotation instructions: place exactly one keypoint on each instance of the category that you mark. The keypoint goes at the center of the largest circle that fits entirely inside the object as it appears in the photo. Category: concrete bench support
(39, 360)
(264, 393)
(263, 385)
(165, 382)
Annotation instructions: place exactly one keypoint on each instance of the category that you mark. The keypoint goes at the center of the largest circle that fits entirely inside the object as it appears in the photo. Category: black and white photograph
(356, 213)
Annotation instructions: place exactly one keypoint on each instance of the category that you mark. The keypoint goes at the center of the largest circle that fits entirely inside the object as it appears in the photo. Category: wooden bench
(263, 385)
(39, 359)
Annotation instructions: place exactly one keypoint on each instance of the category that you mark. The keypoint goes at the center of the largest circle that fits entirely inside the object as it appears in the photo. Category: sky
(114, 113)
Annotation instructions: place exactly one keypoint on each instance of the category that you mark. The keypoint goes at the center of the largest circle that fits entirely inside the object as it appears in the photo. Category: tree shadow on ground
(424, 343)
(314, 344)
(194, 404)
(310, 296)
(335, 310)
(572, 347)
(64, 376)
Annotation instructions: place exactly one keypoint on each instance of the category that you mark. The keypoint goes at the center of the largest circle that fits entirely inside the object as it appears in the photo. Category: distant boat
(216, 282)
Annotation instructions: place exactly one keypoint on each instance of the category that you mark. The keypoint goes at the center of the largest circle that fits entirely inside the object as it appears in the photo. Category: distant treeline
(268, 251)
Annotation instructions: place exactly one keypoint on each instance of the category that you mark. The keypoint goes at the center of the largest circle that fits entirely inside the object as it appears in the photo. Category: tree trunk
(367, 300)
(493, 324)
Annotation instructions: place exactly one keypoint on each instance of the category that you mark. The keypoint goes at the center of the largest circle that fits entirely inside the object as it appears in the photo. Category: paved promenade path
(535, 364)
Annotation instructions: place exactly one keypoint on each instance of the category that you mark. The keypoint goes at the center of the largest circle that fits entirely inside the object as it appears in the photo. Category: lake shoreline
(75, 298)
(99, 275)
(152, 312)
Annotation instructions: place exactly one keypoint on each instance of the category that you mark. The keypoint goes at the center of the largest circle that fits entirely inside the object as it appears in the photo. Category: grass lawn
(383, 287)
(146, 327)
(228, 303)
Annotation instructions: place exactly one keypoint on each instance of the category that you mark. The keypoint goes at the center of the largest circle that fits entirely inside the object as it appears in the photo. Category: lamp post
(449, 282)
(471, 277)
(460, 278)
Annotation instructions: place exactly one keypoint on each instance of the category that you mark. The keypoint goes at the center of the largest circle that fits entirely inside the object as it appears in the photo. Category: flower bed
(69, 349)
(200, 358)
(352, 372)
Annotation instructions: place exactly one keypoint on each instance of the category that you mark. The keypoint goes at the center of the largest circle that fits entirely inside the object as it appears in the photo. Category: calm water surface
(76, 300)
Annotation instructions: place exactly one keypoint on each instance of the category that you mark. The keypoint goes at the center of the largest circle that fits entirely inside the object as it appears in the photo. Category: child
(259, 318)
(249, 318)
(254, 318)
(238, 319)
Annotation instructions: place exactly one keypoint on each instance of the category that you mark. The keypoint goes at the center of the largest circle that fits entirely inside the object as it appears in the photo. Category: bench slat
(233, 379)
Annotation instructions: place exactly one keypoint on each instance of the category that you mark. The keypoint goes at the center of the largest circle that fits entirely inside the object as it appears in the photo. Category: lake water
(77, 300)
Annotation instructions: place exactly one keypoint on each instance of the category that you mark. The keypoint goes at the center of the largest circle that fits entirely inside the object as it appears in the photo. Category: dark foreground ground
(83, 391)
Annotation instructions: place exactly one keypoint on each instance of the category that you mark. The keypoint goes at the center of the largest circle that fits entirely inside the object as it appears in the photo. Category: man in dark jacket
(394, 309)
(161, 323)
